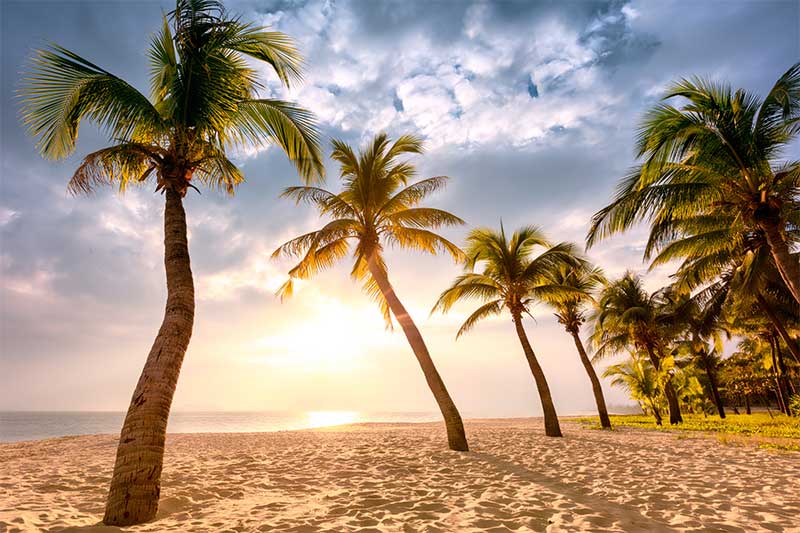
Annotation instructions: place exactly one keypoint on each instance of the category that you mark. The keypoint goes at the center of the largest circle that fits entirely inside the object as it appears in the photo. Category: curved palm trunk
(790, 342)
(551, 426)
(136, 482)
(669, 391)
(599, 399)
(788, 267)
(456, 437)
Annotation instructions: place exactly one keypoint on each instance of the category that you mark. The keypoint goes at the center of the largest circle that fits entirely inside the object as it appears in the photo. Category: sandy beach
(401, 477)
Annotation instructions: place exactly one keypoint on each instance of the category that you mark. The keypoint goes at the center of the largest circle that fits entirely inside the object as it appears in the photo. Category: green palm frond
(163, 63)
(264, 121)
(272, 47)
(64, 88)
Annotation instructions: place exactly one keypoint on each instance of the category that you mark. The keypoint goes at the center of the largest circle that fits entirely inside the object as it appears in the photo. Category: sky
(530, 107)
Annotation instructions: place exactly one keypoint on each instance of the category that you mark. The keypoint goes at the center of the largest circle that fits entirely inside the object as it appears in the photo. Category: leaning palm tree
(511, 278)
(628, 318)
(716, 157)
(571, 313)
(377, 206)
(203, 101)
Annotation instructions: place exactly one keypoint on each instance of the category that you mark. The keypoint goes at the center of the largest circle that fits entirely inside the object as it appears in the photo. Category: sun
(333, 337)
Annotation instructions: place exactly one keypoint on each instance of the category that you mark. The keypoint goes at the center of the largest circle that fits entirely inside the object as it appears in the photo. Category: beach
(401, 477)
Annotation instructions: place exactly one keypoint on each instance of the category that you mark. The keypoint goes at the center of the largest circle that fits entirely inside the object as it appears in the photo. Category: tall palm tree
(628, 318)
(718, 157)
(377, 206)
(571, 313)
(511, 278)
(639, 378)
(203, 100)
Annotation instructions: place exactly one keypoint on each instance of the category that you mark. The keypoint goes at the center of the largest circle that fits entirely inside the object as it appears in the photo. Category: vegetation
(202, 101)
(630, 318)
(377, 206)
(777, 431)
(715, 159)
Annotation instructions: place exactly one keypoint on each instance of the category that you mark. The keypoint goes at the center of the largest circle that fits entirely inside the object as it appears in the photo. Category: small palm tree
(716, 158)
(377, 206)
(203, 100)
(628, 318)
(640, 379)
(571, 313)
(511, 278)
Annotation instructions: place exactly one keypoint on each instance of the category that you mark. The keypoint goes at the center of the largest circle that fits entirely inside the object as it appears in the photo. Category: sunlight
(318, 419)
(332, 339)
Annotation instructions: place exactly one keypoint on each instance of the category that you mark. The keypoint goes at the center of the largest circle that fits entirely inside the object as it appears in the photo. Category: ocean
(32, 425)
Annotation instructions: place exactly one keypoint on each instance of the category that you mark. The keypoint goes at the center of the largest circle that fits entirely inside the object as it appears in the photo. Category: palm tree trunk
(656, 412)
(711, 372)
(773, 343)
(456, 437)
(551, 426)
(669, 391)
(788, 266)
(712, 380)
(790, 342)
(596, 387)
(136, 481)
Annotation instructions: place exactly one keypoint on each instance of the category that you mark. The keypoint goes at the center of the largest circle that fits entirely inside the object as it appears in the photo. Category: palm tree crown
(714, 159)
(203, 100)
(376, 206)
(584, 281)
(512, 277)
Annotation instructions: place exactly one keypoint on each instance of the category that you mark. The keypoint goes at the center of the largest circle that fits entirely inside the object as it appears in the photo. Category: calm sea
(31, 425)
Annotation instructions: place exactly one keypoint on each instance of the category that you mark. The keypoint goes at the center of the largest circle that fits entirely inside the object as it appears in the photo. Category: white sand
(401, 478)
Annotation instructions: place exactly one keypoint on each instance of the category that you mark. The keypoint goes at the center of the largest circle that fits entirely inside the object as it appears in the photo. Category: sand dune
(399, 478)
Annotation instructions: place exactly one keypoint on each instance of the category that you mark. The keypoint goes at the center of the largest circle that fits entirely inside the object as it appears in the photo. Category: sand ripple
(398, 478)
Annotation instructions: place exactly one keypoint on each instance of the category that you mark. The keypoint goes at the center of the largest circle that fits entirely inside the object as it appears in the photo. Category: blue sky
(530, 107)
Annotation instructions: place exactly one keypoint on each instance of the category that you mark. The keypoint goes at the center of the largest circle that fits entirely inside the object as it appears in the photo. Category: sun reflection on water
(318, 419)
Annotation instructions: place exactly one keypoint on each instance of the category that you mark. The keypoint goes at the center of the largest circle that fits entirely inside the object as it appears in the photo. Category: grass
(779, 432)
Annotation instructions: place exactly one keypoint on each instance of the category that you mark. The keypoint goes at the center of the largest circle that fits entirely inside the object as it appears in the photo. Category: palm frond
(65, 88)
(286, 124)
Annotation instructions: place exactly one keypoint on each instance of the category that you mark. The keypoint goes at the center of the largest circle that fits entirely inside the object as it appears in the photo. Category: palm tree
(639, 378)
(377, 206)
(630, 318)
(512, 278)
(203, 100)
(571, 313)
(716, 157)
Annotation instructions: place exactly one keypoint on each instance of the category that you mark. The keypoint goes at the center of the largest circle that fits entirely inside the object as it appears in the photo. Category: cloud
(531, 108)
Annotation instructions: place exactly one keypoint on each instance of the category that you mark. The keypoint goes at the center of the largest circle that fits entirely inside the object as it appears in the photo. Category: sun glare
(332, 338)
(318, 419)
